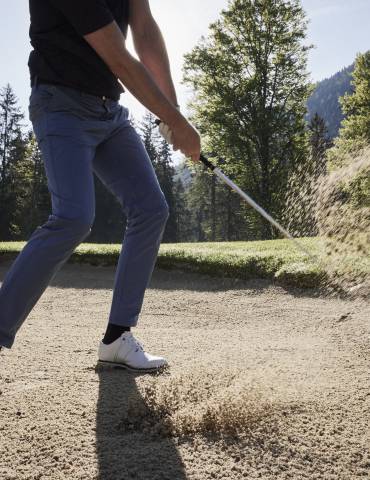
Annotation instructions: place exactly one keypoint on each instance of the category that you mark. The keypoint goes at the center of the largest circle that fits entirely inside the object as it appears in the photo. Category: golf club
(252, 203)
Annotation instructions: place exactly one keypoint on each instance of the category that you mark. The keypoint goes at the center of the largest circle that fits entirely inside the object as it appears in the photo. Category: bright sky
(338, 28)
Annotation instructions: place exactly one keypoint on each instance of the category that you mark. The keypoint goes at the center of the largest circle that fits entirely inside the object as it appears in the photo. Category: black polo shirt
(61, 55)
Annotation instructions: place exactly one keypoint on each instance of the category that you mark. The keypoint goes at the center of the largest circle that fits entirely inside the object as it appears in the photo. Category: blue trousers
(81, 134)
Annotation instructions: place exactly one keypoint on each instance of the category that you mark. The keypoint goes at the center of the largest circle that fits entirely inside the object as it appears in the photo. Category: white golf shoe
(127, 352)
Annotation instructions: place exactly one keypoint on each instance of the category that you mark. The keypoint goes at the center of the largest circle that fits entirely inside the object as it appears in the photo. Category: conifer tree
(12, 150)
(160, 156)
(354, 133)
(319, 143)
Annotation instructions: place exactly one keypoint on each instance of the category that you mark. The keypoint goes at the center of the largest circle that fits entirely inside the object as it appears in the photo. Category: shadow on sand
(125, 454)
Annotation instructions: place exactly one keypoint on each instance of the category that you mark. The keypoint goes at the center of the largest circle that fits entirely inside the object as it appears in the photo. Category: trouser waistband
(35, 80)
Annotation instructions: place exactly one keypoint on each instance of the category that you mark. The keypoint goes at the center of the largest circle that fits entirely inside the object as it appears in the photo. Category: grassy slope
(274, 259)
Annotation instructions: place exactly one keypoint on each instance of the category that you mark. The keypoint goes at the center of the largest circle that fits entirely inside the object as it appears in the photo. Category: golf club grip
(206, 162)
(203, 158)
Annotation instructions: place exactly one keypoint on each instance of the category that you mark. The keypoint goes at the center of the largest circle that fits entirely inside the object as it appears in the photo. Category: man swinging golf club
(79, 67)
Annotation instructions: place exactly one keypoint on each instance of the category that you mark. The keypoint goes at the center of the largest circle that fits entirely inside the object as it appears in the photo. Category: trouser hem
(125, 322)
(6, 343)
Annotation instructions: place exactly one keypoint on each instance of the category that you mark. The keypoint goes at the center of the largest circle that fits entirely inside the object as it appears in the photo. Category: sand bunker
(264, 383)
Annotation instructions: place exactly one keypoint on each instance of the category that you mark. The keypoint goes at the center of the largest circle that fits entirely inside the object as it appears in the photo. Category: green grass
(272, 259)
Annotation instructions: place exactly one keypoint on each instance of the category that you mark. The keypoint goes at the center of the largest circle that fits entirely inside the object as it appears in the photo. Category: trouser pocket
(40, 99)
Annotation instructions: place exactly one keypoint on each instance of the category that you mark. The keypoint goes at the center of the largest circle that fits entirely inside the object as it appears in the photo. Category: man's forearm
(140, 82)
(151, 49)
(109, 44)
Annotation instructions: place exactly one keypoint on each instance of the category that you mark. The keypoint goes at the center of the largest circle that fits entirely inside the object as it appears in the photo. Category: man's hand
(186, 138)
(188, 144)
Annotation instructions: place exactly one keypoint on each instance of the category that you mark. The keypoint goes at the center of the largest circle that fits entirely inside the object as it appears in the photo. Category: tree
(319, 143)
(301, 192)
(216, 213)
(10, 118)
(356, 106)
(198, 201)
(150, 136)
(353, 142)
(21, 198)
(354, 133)
(165, 173)
(250, 88)
(110, 220)
(160, 156)
(38, 202)
(12, 150)
(182, 180)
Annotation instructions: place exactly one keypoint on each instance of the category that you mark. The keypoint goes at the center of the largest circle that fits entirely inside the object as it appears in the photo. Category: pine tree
(12, 150)
(150, 136)
(319, 143)
(39, 201)
(10, 118)
(354, 134)
(110, 220)
(198, 200)
(165, 173)
(20, 202)
(160, 156)
(356, 106)
(181, 213)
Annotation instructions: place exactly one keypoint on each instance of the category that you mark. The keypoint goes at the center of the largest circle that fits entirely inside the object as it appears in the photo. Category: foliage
(319, 144)
(354, 134)
(13, 165)
(250, 83)
(299, 214)
(160, 156)
(216, 211)
(25, 201)
(356, 106)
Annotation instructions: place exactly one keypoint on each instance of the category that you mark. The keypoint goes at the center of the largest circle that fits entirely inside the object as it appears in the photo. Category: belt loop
(36, 81)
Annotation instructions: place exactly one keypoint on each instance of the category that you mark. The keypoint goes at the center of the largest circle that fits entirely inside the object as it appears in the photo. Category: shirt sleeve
(86, 16)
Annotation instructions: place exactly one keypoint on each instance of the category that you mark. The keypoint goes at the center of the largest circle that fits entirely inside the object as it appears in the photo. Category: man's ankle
(113, 332)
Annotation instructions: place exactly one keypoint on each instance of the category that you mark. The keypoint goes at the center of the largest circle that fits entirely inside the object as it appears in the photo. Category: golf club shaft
(252, 203)
(260, 210)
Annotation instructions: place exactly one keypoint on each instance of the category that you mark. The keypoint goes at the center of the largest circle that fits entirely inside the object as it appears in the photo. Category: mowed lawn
(277, 260)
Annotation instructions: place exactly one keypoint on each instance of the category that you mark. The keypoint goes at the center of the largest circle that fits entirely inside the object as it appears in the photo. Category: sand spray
(335, 207)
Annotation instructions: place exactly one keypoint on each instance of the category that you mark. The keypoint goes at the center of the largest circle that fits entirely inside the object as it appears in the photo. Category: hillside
(324, 99)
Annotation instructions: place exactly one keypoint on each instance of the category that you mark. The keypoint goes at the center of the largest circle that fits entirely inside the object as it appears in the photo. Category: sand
(264, 383)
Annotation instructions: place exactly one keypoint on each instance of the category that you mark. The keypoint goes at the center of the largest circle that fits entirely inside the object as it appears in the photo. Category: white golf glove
(165, 130)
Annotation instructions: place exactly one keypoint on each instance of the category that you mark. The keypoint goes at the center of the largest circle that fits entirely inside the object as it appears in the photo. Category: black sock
(113, 332)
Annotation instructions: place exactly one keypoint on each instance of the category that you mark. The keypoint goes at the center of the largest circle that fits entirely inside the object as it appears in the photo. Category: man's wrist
(175, 118)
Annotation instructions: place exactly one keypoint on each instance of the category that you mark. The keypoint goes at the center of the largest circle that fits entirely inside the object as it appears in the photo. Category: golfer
(79, 67)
